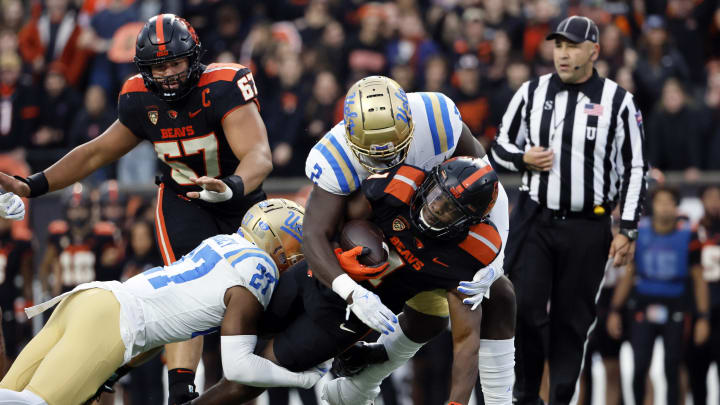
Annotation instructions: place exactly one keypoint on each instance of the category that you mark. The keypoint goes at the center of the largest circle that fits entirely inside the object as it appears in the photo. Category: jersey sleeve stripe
(409, 172)
(446, 122)
(216, 75)
(253, 253)
(431, 122)
(347, 160)
(134, 84)
(439, 124)
(404, 183)
(163, 240)
(342, 173)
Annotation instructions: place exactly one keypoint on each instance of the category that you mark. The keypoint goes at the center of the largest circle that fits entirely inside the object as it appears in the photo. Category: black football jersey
(12, 253)
(427, 263)
(187, 134)
(80, 260)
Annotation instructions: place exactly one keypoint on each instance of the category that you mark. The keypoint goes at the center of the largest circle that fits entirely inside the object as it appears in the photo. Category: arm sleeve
(507, 149)
(631, 163)
(242, 366)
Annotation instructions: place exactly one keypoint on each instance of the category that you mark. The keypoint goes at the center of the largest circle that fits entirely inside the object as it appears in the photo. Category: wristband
(235, 183)
(343, 286)
(37, 182)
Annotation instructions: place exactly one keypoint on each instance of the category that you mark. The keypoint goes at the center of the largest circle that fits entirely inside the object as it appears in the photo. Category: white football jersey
(186, 298)
(334, 168)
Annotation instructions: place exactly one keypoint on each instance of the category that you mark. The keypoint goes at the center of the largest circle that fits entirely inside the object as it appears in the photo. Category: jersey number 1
(173, 152)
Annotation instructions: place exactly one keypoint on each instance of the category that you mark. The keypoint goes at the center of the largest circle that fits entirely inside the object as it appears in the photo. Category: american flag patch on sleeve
(593, 109)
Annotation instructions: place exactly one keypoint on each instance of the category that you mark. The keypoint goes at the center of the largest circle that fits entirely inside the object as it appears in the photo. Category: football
(364, 233)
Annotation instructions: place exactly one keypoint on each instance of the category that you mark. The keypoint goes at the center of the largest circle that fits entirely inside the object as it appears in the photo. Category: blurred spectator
(313, 23)
(674, 134)
(706, 247)
(94, 118)
(471, 100)
(331, 52)
(54, 36)
(540, 12)
(499, 59)
(283, 116)
(497, 18)
(98, 37)
(57, 108)
(366, 53)
(516, 74)
(473, 36)
(448, 32)
(8, 41)
(13, 15)
(543, 62)
(436, 75)
(658, 61)
(412, 48)
(228, 34)
(19, 107)
(405, 76)
(687, 24)
(319, 110)
(612, 49)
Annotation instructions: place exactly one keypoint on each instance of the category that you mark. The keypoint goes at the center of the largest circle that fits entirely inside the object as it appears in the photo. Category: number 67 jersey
(186, 299)
(187, 134)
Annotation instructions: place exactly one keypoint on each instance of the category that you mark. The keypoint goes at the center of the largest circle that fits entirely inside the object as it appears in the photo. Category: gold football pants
(75, 352)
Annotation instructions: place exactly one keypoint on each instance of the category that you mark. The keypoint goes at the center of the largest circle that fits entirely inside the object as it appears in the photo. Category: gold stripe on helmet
(275, 226)
(378, 122)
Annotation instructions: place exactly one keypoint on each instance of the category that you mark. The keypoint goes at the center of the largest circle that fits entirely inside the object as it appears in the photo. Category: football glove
(11, 206)
(348, 260)
(371, 311)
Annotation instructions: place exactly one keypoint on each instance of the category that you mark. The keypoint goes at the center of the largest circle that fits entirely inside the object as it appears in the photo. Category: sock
(496, 363)
(8, 397)
(399, 348)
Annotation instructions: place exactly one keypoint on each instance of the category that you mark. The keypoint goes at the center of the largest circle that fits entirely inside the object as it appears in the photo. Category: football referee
(578, 140)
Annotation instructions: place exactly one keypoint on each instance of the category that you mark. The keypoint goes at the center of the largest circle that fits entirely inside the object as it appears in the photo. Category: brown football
(359, 232)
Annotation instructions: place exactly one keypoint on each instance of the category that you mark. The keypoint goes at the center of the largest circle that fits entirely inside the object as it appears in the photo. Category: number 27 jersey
(186, 298)
(187, 134)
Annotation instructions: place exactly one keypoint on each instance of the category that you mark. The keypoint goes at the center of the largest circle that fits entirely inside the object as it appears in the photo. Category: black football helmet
(456, 194)
(77, 203)
(166, 37)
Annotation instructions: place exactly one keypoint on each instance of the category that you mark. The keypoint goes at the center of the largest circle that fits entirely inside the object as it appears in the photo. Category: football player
(383, 127)
(224, 283)
(205, 126)
(438, 236)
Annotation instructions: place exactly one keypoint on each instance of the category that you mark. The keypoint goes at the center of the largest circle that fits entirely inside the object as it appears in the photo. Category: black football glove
(356, 358)
(107, 386)
(181, 384)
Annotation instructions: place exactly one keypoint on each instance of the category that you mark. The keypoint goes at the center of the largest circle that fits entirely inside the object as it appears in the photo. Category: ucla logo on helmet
(403, 111)
(349, 115)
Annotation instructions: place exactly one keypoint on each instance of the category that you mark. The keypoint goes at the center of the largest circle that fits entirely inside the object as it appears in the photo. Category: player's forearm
(622, 290)
(185, 354)
(254, 168)
(702, 294)
(319, 255)
(465, 328)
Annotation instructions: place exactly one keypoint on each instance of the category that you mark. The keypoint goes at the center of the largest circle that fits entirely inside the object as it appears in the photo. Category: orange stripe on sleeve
(217, 75)
(134, 84)
(483, 243)
(404, 183)
(163, 240)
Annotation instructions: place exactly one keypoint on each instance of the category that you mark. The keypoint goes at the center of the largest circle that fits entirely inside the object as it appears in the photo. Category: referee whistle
(599, 210)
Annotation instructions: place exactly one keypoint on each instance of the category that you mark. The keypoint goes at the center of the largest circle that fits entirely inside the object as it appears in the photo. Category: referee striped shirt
(596, 133)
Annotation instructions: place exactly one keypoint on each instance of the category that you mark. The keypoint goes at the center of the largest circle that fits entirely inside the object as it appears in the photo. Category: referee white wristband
(343, 286)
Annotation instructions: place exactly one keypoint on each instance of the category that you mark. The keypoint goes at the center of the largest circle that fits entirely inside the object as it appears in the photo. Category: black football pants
(557, 266)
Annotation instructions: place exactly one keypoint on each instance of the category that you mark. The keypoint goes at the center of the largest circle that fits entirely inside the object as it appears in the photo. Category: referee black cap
(576, 29)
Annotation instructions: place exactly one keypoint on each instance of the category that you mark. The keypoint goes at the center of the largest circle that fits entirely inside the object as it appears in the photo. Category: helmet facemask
(436, 213)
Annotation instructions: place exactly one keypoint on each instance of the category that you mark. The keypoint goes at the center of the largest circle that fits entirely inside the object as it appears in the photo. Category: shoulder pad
(331, 165)
(400, 182)
(134, 84)
(104, 228)
(483, 242)
(225, 72)
(438, 122)
(58, 227)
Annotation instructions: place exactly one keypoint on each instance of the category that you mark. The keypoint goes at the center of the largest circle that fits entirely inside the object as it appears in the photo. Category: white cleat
(341, 391)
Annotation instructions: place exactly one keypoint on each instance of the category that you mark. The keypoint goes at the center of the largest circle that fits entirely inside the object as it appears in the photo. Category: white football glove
(480, 286)
(369, 309)
(12, 207)
(214, 196)
(312, 376)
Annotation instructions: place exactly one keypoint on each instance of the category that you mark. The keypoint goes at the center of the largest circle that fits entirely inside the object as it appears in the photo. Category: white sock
(496, 363)
(8, 397)
(399, 348)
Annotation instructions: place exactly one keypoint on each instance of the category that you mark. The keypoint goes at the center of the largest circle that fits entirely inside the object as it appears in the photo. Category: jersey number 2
(172, 153)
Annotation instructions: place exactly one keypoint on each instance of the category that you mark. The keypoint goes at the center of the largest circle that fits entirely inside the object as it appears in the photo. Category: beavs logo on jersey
(181, 132)
(406, 254)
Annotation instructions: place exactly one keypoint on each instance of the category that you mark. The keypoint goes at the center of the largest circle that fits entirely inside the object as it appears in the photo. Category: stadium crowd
(62, 63)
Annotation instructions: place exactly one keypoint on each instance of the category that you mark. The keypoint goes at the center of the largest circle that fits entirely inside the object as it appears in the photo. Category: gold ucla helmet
(275, 226)
(378, 122)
